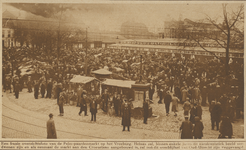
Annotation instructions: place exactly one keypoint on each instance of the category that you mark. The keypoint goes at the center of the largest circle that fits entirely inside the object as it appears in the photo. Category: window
(9, 33)
(3, 33)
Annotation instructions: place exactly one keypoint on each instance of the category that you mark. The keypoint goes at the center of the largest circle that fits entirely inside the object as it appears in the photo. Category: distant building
(133, 30)
(8, 39)
(182, 29)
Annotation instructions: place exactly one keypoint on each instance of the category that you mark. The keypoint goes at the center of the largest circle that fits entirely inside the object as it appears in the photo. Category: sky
(110, 16)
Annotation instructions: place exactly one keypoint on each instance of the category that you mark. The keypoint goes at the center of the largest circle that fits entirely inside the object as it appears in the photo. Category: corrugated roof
(119, 83)
(82, 79)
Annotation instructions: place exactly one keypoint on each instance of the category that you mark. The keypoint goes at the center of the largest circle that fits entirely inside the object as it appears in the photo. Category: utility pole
(86, 53)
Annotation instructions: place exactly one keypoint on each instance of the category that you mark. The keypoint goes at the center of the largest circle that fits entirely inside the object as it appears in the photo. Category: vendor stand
(141, 93)
(90, 84)
(119, 86)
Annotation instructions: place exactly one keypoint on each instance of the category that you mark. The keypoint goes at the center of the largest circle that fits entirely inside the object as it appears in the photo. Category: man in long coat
(226, 128)
(167, 101)
(61, 102)
(198, 127)
(51, 130)
(105, 98)
(116, 101)
(186, 128)
(36, 89)
(83, 105)
(215, 115)
(29, 84)
(146, 110)
(79, 92)
(42, 90)
(17, 89)
(49, 89)
(126, 117)
(93, 109)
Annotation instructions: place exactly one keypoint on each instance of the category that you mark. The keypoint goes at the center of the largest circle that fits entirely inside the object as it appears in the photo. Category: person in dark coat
(42, 89)
(151, 92)
(83, 105)
(199, 110)
(105, 98)
(198, 127)
(204, 95)
(216, 115)
(29, 84)
(58, 91)
(186, 106)
(146, 110)
(17, 89)
(126, 116)
(79, 92)
(36, 89)
(186, 128)
(51, 130)
(116, 101)
(61, 102)
(226, 128)
(93, 109)
(193, 113)
(167, 101)
(49, 89)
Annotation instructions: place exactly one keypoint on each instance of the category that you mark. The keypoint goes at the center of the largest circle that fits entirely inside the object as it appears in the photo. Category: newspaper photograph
(122, 75)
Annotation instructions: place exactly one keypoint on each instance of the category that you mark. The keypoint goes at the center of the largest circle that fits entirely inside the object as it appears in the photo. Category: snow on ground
(160, 123)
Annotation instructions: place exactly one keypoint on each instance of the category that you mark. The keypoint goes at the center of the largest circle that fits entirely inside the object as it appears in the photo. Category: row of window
(169, 44)
(6, 33)
(236, 55)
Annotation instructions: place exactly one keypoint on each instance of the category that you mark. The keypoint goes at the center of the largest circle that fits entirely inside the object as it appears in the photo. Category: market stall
(90, 84)
(119, 86)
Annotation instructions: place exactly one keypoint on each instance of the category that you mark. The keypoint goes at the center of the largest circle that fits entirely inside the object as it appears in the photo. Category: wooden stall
(90, 84)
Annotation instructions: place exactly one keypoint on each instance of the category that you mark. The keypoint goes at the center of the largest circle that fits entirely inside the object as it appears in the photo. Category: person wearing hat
(17, 89)
(225, 128)
(186, 128)
(146, 110)
(58, 91)
(105, 98)
(61, 102)
(51, 130)
(49, 88)
(198, 127)
(36, 89)
(116, 102)
(29, 84)
(216, 115)
(42, 89)
(175, 101)
(167, 101)
(93, 109)
(83, 105)
(126, 116)
(204, 95)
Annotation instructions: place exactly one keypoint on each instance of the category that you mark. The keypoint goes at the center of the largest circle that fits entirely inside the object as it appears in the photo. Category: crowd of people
(180, 79)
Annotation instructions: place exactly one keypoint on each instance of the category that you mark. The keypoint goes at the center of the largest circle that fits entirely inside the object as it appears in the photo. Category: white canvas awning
(119, 83)
(82, 79)
(102, 72)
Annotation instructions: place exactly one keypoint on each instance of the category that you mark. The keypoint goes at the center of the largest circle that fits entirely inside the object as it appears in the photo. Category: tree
(227, 35)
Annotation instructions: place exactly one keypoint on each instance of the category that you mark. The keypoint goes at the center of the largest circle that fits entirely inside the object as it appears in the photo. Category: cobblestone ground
(168, 124)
